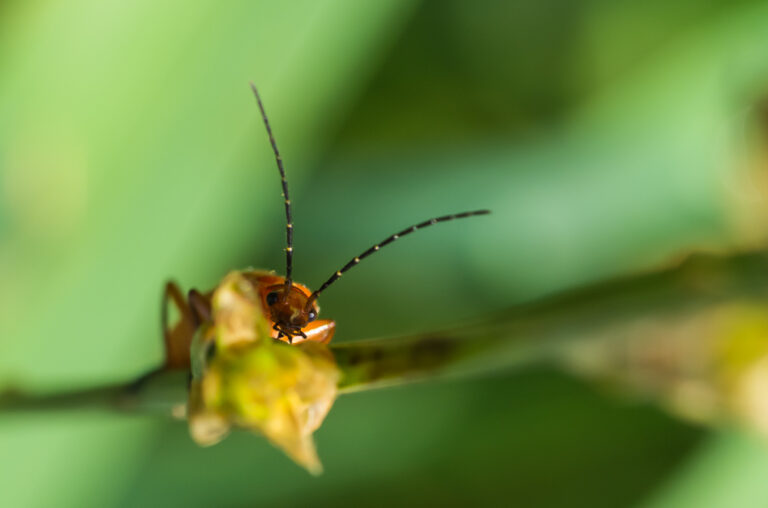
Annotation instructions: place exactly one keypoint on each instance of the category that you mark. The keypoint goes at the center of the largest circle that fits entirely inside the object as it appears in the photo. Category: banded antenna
(288, 220)
(407, 231)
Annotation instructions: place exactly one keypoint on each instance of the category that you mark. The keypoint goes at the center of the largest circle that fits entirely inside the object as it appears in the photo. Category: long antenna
(288, 221)
(355, 260)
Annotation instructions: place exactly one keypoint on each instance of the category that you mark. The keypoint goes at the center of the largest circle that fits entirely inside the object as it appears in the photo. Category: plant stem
(522, 335)
(548, 329)
(158, 391)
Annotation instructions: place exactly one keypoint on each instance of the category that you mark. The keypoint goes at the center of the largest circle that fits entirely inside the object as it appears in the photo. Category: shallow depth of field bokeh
(607, 137)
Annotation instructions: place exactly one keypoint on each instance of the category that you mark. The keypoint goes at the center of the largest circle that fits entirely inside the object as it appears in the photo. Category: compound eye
(311, 316)
(272, 298)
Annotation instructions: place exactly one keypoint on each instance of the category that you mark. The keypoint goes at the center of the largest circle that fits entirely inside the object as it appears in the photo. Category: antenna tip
(254, 89)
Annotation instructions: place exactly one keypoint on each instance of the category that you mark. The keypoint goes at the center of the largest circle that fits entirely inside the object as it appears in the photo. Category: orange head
(289, 312)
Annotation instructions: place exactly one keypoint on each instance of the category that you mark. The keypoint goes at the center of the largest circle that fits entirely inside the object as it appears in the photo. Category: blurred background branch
(689, 337)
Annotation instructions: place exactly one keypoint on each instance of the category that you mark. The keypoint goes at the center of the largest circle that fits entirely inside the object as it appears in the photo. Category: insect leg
(200, 307)
(177, 339)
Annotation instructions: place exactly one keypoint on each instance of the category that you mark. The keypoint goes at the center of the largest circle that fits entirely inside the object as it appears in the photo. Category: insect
(291, 307)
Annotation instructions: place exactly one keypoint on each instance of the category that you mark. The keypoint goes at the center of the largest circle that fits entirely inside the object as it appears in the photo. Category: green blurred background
(606, 136)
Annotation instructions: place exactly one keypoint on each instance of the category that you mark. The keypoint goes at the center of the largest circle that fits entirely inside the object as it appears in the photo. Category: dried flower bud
(249, 380)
